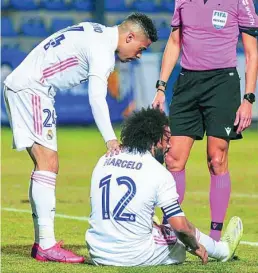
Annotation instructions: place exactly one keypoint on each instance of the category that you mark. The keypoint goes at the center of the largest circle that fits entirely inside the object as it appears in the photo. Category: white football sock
(42, 199)
(217, 250)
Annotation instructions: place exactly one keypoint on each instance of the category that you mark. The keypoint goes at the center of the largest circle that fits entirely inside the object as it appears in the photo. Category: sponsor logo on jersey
(219, 19)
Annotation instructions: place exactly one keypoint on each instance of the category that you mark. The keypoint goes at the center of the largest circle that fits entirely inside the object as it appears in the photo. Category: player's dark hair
(143, 129)
(146, 24)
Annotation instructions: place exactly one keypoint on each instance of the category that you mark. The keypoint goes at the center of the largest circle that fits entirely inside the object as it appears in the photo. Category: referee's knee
(173, 163)
(218, 163)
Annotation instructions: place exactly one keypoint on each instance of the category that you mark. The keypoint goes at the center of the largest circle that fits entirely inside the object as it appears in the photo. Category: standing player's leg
(176, 159)
(42, 194)
(34, 128)
(186, 125)
(220, 183)
(220, 103)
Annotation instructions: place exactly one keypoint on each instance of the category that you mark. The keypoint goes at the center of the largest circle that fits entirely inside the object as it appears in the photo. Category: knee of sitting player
(174, 162)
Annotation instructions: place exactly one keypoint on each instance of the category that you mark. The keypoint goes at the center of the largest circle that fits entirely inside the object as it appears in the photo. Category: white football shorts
(32, 118)
(169, 250)
(166, 250)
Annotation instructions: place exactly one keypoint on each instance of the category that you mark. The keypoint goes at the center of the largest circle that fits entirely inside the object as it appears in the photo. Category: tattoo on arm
(188, 236)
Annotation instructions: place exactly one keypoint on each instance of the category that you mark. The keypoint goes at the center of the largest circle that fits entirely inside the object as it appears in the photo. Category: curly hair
(145, 23)
(143, 129)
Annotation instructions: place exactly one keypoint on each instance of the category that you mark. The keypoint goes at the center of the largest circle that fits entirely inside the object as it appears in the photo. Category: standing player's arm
(244, 113)
(186, 233)
(169, 60)
(97, 99)
(171, 54)
(251, 55)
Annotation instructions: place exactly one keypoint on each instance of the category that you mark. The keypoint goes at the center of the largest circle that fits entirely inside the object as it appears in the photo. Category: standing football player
(70, 56)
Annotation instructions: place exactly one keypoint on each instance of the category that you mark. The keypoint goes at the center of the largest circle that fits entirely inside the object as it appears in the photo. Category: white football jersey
(66, 59)
(125, 189)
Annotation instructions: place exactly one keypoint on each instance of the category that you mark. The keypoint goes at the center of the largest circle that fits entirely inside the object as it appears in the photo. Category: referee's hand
(159, 100)
(243, 116)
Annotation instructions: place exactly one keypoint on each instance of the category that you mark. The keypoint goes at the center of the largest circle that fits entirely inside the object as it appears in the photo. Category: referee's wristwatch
(161, 83)
(249, 97)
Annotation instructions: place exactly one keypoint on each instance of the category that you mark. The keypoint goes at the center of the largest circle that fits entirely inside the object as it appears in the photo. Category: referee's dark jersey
(210, 30)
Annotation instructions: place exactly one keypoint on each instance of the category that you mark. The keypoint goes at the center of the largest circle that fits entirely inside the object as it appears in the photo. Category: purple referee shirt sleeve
(247, 18)
(176, 19)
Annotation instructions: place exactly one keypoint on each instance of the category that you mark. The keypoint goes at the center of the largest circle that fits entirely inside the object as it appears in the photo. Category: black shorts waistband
(228, 69)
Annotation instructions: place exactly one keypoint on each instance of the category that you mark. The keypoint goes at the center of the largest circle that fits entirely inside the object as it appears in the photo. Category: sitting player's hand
(113, 147)
(201, 252)
(159, 100)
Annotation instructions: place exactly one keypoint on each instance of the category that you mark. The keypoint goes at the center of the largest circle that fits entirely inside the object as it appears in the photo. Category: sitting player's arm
(185, 231)
(97, 99)
(167, 200)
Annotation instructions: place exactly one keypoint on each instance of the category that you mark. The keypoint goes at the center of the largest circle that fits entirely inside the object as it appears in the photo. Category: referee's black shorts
(205, 101)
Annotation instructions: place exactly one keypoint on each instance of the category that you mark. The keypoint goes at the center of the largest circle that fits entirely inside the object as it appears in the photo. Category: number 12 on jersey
(118, 212)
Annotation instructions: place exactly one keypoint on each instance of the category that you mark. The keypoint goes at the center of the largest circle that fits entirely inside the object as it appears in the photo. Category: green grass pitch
(79, 150)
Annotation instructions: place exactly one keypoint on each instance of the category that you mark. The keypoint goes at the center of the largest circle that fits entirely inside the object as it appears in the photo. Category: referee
(207, 92)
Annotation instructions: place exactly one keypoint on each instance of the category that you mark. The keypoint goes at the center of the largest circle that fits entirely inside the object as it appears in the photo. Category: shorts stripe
(40, 116)
(165, 241)
(37, 117)
(34, 113)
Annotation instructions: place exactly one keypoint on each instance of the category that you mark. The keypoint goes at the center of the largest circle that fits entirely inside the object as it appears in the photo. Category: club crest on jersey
(50, 135)
(219, 19)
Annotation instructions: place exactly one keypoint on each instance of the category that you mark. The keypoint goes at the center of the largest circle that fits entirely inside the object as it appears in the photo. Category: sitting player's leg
(224, 249)
(169, 250)
(220, 183)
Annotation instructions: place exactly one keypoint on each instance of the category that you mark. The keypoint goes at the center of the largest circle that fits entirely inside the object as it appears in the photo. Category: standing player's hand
(159, 100)
(243, 116)
(201, 252)
(113, 147)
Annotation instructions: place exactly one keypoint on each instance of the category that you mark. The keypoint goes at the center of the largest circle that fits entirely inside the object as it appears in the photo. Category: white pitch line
(81, 218)
(249, 243)
(236, 195)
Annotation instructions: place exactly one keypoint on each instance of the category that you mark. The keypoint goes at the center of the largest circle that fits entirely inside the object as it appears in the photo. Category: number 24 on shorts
(50, 118)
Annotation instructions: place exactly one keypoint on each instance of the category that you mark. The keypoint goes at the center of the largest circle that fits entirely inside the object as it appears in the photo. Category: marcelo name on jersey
(128, 164)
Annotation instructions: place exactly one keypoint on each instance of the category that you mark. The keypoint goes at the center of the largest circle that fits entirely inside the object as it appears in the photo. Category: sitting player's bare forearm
(187, 236)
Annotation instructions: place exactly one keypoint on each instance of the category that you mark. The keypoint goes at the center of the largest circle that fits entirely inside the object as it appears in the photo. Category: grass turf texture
(79, 150)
